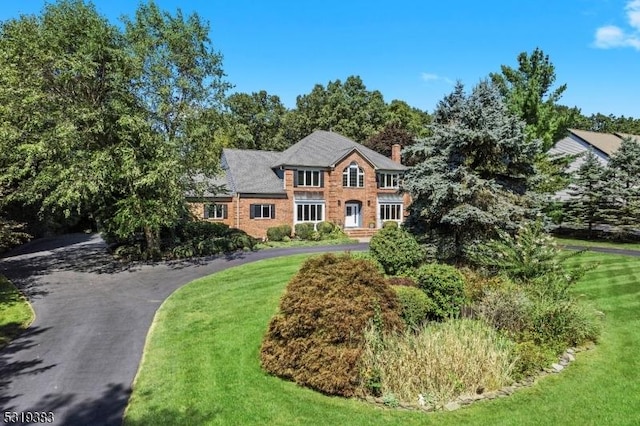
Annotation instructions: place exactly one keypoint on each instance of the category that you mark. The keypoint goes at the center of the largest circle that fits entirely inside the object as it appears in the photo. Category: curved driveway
(78, 359)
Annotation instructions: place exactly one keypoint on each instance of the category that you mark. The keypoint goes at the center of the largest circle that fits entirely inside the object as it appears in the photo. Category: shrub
(477, 283)
(278, 233)
(365, 255)
(325, 228)
(390, 224)
(507, 309)
(317, 337)
(531, 359)
(444, 285)
(563, 323)
(416, 305)
(402, 281)
(201, 230)
(304, 230)
(529, 256)
(442, 360)
(396, 250)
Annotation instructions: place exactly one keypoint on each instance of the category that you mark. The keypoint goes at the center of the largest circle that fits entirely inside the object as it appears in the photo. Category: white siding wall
(572, 145)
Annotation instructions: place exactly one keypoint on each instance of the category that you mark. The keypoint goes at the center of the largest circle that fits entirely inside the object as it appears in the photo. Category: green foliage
(104, 122)
(11, 234)
(401, 281)
(278, 233)
(472, 175)
(347, 108)
(390, 224)
(396, 250)
(563, 323)
(506, 308)
(587, 192)
(365, 255)
(607, 123)
(258, 116)
(531, 258)
(444, 285)
(317, 337)
(416, 305)
(531, 359)
(325, 228)
(190, 239)
(525, 89)
(305, 230)
(622, 191)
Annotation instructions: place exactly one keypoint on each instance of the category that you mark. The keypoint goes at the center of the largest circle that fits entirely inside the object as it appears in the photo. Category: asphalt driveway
(80, 356)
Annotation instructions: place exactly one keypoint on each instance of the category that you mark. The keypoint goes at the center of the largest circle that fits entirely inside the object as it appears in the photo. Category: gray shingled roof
(208, 185)
(325, 149)
(250, 172)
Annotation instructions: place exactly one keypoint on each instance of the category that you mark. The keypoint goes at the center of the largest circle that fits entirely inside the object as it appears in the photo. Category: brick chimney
(395, 153)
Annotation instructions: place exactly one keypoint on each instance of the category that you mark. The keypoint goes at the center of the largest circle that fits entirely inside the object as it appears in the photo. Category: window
(262, 211)
(390, 212)
(388, 180)
(308, 212)
(215, 211)
(308, 178)
(353, 176)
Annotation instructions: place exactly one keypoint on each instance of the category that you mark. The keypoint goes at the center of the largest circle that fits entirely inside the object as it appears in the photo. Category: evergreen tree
(587, 191)
(623, 187)
(528, 94)
(473, 173)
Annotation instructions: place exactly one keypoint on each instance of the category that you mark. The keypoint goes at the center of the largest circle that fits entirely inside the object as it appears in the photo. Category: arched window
(353, 176)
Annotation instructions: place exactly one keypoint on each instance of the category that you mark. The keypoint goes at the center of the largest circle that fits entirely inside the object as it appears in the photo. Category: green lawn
(201, 362)
(15, 312)
(304, 243)
(606, 244)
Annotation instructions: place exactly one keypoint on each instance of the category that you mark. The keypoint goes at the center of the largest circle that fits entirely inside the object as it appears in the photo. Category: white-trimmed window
(215, 211)
(309, 212)
(262, 211)
(308, 178)
(353, 176)
(388, 180)
(391, 212)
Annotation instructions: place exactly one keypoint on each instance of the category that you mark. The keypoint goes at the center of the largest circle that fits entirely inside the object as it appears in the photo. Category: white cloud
(633, 13)
(611, 36)
(429, 77)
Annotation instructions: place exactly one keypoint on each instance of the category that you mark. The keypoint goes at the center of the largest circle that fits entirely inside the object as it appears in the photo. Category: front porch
(360, 232)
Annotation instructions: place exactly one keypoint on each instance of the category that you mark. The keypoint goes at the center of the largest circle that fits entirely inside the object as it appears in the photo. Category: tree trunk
(153, 242)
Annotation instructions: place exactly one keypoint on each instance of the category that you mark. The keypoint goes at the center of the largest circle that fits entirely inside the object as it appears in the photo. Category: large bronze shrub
(317, 338)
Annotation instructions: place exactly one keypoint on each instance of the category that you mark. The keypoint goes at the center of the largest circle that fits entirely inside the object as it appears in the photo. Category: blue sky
(415, 50)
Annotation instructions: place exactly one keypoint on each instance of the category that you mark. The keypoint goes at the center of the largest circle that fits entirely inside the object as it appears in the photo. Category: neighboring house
(603, 145)
(323, 177)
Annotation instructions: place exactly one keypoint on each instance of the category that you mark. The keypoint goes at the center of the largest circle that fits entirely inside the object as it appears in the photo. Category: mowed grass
(201, 362)
(605, 244)
(15, 312)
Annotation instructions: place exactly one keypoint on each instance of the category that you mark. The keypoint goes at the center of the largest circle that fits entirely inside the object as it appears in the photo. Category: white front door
(352, 212)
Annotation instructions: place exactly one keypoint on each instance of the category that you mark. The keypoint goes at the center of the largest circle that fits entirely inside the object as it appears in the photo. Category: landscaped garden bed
(201, 362)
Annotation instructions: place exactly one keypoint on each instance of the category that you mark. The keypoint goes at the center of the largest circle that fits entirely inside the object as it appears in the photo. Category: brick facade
(335, 196)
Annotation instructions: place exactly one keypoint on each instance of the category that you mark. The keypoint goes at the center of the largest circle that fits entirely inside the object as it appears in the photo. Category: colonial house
(323, 177)
(578, 142)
